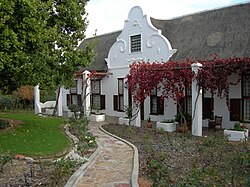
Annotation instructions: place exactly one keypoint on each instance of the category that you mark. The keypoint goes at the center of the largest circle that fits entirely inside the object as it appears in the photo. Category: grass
(38, 136)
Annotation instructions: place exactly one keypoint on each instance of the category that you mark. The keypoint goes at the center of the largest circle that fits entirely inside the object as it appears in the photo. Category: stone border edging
(74, 179)
(135, 169)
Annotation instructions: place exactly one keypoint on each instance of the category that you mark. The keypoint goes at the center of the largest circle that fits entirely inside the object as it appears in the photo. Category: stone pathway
(113, 165)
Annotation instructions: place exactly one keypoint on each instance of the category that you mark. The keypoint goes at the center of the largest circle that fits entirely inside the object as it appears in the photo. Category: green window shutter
(115, 102)
(68, 99)
(103, 102)
(207, 108)
(79, 100)
(160, 106)
(235, 108)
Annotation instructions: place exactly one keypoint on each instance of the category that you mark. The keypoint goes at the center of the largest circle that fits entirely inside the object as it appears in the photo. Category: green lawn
(38, 136)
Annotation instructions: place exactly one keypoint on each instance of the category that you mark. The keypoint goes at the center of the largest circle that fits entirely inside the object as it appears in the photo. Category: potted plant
(184, 120)
(167, 125)
(75, 109)
(129, 116)
(242, 122)
(238, 133)
(95, 115)
(149, 122)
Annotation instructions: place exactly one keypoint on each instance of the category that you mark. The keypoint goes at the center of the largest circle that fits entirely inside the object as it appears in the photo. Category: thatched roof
(104, 43)
(225, 32)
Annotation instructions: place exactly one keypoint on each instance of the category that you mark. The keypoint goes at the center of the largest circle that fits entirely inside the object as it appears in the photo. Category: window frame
(73, 90)
(97, 94)
(117, 105)
(120, 95)
(209, 107)
(159, 103)
(188, 98)
(245, 97)
(70, 99)
(235, 109)
(184, 102)
(135, 43)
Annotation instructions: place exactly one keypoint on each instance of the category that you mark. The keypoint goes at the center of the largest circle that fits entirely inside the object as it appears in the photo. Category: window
(119, 99)
(156, 104)
(185, 105)
(246, 97)
(207, 108)
(135, 42)
(188, 102)
(95, 86)
(240, 107)
(73, 90)
(235, 109)
(74, 99)
(97, 100)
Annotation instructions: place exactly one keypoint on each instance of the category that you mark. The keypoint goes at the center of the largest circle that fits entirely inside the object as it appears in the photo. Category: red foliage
(171, 77)
(25, 92)
(214, 76)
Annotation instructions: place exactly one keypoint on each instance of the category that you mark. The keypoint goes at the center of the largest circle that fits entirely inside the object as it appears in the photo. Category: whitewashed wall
(154, 47)
(220, 105)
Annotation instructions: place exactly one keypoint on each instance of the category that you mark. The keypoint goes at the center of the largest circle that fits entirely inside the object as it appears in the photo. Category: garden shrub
(4, 124)
(74, 108)
(63, 168)
(159, 172)
(218, 163)
(5, 102)
(242, 162)
(90, 139)
(79, 127)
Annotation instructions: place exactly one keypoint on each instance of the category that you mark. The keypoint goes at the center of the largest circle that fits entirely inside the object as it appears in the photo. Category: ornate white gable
(153, 45)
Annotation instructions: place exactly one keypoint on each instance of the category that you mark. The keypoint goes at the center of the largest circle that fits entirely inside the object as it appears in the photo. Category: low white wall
(48, 104)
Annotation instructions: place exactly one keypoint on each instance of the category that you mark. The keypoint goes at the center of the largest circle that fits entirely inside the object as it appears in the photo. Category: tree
(23, 40)
(22, 94)
(69, 18)
(38, 41)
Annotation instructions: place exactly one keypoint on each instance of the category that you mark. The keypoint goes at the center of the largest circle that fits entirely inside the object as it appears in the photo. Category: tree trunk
(83, 97)
(57, 99)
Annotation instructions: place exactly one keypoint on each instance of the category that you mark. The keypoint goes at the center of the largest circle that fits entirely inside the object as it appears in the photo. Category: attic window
(135, 42)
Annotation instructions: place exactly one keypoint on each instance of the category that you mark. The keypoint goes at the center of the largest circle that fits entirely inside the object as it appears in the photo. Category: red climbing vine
(171, 78)
(214, 77)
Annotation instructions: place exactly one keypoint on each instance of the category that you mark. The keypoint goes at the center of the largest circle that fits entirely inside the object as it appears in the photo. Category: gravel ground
(180, 159)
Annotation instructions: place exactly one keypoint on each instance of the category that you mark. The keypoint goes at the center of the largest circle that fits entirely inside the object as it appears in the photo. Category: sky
(105, 16)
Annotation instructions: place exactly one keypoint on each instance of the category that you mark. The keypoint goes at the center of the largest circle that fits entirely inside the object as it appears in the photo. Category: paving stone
(113, 165)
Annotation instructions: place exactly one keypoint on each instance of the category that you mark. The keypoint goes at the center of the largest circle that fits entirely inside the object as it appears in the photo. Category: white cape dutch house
(139, 40)
(225, 32)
